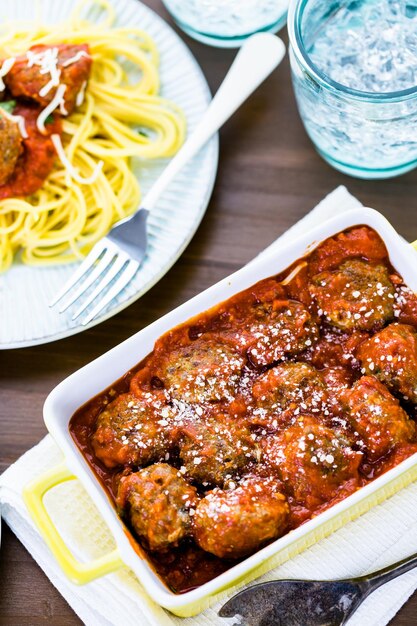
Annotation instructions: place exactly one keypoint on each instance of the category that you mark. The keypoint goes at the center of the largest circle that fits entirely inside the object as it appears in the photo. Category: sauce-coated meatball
(312, 460)
(355, 296)
(215, 450)
(391, 356)
(279, 329)
(133, 430)
(378, 417)
(236, 522)
(159, 504)
(27, 80)
(205, 370)
(286, 391)
(10, 146)
(337, 380)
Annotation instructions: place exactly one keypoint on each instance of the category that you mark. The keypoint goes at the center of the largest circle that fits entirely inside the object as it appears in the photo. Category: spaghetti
(118, 115)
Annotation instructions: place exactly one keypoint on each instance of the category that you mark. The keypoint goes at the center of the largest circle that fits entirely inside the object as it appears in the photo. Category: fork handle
(256, 59)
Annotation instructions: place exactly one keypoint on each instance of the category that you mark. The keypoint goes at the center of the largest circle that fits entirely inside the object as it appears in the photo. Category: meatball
(336, 348)
(391, 356)
(10, 146)
(378, 417)
(314, 461)
(133, 431)
(205, 370)
(159, 504)
(234, 523)
(215, 450)
(355, 296)
(277, 330)
(285, 391)
(337, 380)
(27, 79)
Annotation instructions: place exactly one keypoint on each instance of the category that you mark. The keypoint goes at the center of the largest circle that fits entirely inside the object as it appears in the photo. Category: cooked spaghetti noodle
(119, 116)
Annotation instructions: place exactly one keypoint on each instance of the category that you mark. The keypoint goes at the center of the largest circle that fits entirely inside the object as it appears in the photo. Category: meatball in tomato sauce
(215, 450)
(285, 391)
(313, 460)
(207, 369)
(26, 79)
(38, 155)
(355, 296)
(235, 522)
(10, 146)
(391, 356)
(378, 417)
(159, 504)
(278, 329)
(133, 431)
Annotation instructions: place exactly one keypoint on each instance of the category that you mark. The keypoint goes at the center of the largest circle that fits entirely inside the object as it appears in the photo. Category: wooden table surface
(269, 177)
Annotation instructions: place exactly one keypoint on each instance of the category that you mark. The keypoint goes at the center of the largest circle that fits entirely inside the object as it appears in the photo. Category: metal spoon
(309, 603)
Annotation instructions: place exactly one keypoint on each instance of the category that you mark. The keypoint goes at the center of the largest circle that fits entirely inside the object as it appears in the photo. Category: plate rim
(213, 144)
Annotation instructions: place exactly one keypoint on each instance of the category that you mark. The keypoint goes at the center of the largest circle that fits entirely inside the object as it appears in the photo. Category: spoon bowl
(295, 603)
(312, 602)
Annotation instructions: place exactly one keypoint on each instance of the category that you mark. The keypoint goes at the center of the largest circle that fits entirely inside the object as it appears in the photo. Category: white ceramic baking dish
(101, 373)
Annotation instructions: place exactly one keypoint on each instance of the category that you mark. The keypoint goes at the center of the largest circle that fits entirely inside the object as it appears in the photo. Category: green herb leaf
(8, 105)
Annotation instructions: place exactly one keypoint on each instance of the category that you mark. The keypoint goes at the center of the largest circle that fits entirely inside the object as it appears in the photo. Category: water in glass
(364, 119)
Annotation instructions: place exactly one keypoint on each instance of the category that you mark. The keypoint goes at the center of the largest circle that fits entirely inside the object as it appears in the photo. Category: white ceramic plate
(26, 318)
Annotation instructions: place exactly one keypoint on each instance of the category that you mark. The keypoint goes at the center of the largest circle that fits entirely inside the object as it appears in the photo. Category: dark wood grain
(269, 177)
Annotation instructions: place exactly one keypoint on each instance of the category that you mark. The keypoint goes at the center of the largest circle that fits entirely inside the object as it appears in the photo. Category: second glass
(227, 23)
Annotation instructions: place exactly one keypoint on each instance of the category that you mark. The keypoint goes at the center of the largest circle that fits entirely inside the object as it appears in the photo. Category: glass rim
(295, 14)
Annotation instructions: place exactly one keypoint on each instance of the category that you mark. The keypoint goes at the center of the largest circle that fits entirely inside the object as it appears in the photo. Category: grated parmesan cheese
(56, 102)
(5, 69)
(81, 94)
(75, 58)
(54, 82)
(47, 61)
(19, 120)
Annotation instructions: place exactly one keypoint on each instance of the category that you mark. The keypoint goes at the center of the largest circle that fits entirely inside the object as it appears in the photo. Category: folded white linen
(382, 536)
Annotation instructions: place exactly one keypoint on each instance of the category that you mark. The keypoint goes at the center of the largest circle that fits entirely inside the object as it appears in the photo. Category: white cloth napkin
(384, 535)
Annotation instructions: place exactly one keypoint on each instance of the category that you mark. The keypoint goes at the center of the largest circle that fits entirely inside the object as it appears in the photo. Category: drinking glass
(354, 71)
(227, 23)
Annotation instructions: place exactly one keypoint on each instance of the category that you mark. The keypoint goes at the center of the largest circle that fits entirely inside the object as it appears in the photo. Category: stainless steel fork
(113, 261)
